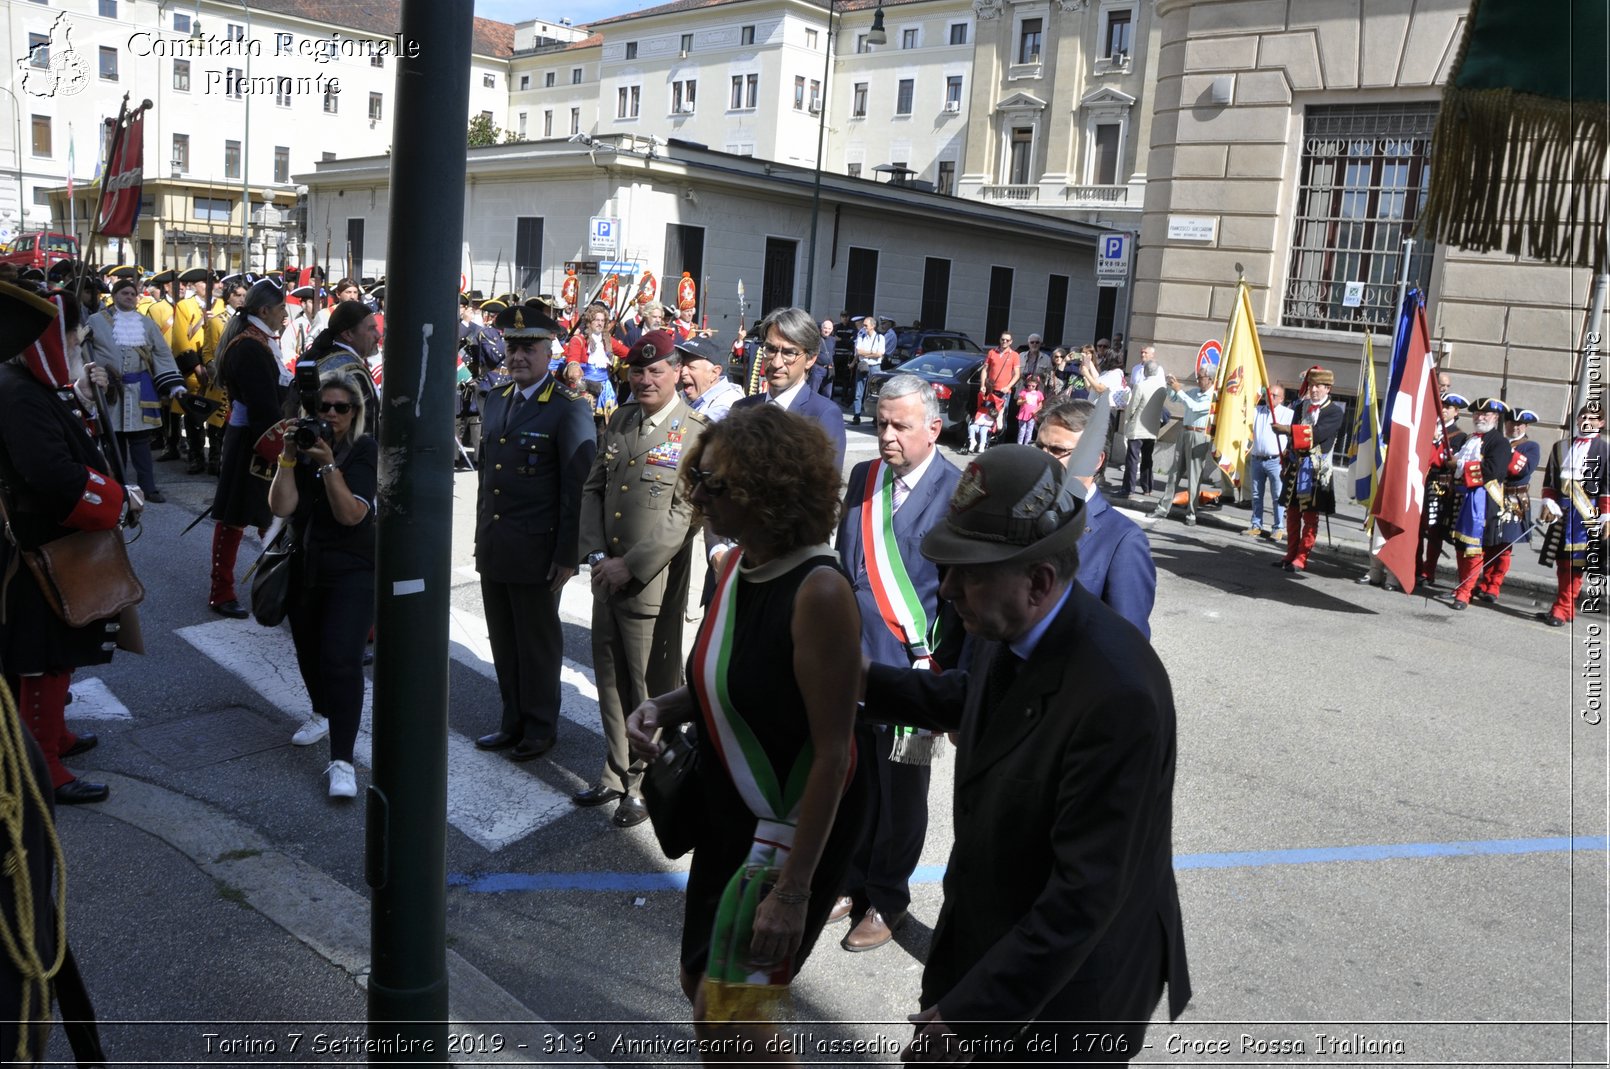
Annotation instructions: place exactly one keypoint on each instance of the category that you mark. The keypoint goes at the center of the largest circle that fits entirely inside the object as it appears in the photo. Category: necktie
(1003, 668)
(901, 492)
(514, 407)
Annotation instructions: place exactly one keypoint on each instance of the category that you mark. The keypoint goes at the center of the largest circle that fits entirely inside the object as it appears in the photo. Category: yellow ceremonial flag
(1239, 387)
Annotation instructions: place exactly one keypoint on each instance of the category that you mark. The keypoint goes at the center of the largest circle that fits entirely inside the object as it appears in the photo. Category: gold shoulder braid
(19, 791)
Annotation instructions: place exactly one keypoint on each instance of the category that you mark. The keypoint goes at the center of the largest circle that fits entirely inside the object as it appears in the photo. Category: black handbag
(673, 794)
(271, 580)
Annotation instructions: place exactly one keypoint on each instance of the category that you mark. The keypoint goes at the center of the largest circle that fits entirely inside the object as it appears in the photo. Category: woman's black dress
(761, 682)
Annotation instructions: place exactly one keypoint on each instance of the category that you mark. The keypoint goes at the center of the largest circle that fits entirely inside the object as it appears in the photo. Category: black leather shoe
(1484, 597)
(526, 750)
(596, 796)
(1550, 619)
(196, 467)
(86, 742)
(155, 497)
(169, 454)
(232, 609)
(81, 792)
(630, 813)
(498, 740)
(1459, 606)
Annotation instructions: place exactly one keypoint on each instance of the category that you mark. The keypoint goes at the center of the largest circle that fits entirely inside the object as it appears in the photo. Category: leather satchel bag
(86, 576)
(673, 794)
(271, 580)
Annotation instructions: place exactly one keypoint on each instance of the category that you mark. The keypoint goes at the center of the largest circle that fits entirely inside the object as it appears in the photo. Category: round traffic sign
(1207, 357)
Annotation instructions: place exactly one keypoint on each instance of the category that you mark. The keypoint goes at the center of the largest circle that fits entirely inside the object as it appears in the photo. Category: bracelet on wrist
(791, 898)
(326, 469)
(287, 462)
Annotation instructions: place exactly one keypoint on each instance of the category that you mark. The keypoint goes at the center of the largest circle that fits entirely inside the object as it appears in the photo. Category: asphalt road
(1376, 805)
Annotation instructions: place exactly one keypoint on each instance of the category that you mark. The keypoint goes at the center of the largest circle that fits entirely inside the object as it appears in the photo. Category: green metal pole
(406, 864)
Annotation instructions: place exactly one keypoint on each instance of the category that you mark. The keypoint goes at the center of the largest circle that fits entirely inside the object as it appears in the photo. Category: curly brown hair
(781, 468)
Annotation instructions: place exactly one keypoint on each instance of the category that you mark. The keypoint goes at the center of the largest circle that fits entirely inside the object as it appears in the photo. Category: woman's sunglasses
(338, 407)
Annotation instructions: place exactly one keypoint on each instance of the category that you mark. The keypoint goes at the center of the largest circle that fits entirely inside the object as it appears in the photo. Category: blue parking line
(506, 882)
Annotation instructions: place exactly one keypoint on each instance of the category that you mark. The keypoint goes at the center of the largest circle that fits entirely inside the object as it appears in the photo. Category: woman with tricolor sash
(775, 712)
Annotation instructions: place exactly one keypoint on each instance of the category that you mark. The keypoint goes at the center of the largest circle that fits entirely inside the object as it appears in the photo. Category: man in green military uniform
(637, 531)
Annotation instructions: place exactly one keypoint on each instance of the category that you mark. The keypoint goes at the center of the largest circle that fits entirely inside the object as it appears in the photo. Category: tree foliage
(483, 131)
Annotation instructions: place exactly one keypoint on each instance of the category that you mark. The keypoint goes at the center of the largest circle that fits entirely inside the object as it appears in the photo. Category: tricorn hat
(163, 278)
(1489, 404)
(196, 274)
(347, 315)
(264, 293)
(491, 308)
(1454, 400)
(1013, 503)
(1522, 415)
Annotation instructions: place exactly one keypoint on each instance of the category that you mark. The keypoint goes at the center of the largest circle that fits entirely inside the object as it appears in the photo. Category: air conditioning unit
(953, 106)
(816, 107)
(1118, 59)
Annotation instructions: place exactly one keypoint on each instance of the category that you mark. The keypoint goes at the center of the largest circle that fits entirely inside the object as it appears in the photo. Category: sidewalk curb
(323, 914)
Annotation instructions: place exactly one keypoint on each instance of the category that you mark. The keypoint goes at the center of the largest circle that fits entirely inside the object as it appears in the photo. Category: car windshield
(941, 366)
(56, 244)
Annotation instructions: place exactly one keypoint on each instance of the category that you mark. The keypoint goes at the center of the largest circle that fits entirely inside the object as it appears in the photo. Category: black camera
(310, 429)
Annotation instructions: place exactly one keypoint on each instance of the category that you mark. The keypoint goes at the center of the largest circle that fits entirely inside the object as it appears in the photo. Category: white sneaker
(342, 782)
(315, 729)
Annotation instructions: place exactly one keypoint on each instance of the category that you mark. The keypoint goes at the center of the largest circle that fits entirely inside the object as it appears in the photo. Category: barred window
(1365, 172)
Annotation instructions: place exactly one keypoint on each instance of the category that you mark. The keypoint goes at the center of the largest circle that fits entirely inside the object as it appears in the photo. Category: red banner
(1401, 499)
(123, 178)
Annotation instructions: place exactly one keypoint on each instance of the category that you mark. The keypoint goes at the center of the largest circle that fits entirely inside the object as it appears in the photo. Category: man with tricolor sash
(891, 503)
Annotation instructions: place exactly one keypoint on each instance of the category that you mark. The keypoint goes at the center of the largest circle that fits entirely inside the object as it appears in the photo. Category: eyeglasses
(339, 407)
(709, 481)
(1061, 452)
(789, 354)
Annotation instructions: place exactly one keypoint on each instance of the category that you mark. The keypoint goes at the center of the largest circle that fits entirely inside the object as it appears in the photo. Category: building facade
(244, 96)
(729, 220)
(1292, 140)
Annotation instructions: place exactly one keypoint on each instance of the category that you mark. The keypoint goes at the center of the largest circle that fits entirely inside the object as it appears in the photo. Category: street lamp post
(875, 36)
(246, 152)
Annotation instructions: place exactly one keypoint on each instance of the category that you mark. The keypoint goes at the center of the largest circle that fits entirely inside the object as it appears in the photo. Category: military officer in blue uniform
(536, 451)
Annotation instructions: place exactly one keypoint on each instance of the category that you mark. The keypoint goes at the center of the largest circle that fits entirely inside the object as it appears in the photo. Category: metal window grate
(1365, 172)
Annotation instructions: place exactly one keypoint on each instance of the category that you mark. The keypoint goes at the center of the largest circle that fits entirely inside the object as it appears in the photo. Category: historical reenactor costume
(1306, 476)
(687, 307)
(331, 353)
(1511, 521)
(199, 323)
(54, 480)
(1479, 468)
(251, 368)
(1576, 498)
(636, 521)
(537, 446)
(157, 304)
(481, 348)
(1441, 505)
(144, 373)
(631, 332)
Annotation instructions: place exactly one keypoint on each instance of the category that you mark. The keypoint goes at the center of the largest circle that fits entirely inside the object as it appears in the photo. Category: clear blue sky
(577, 11)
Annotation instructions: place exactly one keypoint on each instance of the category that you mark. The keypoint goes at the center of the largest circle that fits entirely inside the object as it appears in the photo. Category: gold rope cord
(18, 791)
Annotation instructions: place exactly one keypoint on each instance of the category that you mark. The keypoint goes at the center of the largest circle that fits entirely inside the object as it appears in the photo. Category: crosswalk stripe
(488, 800)
(470, 646)
(92, 700)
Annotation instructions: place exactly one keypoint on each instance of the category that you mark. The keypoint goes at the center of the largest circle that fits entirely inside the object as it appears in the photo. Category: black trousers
(1138, 466)
(330, 624)
(522, 620)
(891, 841)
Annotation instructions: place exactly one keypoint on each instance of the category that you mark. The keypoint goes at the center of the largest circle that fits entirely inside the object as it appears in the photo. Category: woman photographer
(325, 486)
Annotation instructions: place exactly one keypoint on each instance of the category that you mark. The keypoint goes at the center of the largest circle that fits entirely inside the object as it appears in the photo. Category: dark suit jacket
(811, 405)
(532, 470)
(922, 509)
(1115, 563)
(1060, 902)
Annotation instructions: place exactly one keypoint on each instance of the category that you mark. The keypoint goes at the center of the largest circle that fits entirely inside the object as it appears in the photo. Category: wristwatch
(325, 470)
(594, 559)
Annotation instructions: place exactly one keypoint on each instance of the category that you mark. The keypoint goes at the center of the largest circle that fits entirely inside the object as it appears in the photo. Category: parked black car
(955, 375)
(910, 343)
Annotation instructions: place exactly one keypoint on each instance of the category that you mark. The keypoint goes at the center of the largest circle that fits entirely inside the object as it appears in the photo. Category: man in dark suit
(1115, 558)
(792, 338)
(537, 446)
(904, 493)
(1061, 920)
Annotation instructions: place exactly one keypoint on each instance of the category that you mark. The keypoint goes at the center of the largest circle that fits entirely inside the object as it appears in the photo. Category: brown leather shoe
(871, 933)
(841, 908)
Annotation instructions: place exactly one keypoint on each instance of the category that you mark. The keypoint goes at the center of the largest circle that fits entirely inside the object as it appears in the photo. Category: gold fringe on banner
(1521, 173)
